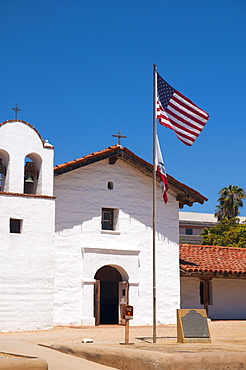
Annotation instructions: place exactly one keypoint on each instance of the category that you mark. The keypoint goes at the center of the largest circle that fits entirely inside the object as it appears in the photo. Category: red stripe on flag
(191, 128)
(165, 121)
(190, 105)
(180, 113)
(186, 114)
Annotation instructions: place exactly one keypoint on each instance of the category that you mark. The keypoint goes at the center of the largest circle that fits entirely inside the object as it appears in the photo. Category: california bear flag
(161, 172)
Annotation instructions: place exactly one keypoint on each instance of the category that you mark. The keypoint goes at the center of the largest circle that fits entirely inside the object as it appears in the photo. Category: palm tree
(230, 201)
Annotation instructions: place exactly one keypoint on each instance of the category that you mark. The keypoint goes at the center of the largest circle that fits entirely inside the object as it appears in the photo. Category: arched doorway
(107, 295)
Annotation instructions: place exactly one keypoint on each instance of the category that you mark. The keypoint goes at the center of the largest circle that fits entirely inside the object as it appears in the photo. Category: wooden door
(97, 302)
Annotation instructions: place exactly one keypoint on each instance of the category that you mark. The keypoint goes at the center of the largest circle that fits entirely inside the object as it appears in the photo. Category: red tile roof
(87, 157)
(212, 259)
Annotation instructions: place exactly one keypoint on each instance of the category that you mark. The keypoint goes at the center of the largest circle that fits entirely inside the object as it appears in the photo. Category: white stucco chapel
(76, 239)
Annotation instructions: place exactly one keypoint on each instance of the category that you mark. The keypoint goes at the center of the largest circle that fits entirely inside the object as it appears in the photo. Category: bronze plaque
(192, 326)
(195, 325)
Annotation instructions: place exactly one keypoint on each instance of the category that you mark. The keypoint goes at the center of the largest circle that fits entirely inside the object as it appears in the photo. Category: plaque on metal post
(192, 326)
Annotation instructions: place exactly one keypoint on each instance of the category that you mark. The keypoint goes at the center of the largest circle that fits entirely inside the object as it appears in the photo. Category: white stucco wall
(229, 300)
(27, 258)
(26, 264)
(82, 247)
(189, 291)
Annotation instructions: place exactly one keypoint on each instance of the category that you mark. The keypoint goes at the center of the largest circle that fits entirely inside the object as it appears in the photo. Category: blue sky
(82, 70)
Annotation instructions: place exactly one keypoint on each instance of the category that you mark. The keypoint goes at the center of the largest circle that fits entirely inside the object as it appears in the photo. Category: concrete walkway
(227, 350)
(161, 357)
(56, 360)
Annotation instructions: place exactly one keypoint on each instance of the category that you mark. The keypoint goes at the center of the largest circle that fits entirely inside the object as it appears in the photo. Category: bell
(28, 178)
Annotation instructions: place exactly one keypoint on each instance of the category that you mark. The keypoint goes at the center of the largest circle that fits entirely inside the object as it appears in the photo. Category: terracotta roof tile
(84, 158)
(212, 259)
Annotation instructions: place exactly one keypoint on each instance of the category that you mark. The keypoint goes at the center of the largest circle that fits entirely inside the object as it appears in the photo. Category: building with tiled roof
(75, 253)
(104, 227)
(214, 277)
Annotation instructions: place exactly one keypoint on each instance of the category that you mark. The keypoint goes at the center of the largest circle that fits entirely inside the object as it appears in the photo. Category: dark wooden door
(97, 302)
(106, 296)
(109, 302)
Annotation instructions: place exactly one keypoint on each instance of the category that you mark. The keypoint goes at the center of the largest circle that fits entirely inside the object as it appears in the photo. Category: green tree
(230, 200)
(228, 232)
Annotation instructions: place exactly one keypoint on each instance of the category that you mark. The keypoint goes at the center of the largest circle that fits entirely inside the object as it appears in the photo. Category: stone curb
(136, 359)
(18, 362)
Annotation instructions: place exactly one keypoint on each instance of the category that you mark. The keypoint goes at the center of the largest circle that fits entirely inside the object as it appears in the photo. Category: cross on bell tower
(17, 110)
(119, 136)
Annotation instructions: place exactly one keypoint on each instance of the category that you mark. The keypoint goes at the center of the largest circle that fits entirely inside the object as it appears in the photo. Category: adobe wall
(82, 247)
(27, 257)
(229, 297)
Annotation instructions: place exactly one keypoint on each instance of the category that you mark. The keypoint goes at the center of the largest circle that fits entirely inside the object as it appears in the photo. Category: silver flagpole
(154, 201)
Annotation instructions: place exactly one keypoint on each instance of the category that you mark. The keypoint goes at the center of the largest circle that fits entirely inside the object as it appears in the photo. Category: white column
(88, 302)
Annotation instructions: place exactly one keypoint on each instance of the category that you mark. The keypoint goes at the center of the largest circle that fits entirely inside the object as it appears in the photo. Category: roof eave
(184, 194)
(212, 274)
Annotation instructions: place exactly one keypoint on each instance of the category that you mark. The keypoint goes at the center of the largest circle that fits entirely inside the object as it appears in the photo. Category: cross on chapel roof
(119, 136)
(17, 110)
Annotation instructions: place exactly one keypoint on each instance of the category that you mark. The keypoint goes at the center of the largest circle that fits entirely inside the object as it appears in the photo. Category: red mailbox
(128, 312)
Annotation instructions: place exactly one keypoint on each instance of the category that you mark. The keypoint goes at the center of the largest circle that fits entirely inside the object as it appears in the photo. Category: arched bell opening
(4, 161)
(31, 173)
(110, 293)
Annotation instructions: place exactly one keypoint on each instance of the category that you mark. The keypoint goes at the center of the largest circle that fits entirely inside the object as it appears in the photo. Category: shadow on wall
(69, 216)
(83, 194)
(170, 235)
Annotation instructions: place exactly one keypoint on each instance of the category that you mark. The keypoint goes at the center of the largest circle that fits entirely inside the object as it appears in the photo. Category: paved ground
(56, 360)
(227, 337)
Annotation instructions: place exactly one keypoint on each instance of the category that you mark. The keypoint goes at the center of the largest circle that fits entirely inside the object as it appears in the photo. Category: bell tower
(27, 207)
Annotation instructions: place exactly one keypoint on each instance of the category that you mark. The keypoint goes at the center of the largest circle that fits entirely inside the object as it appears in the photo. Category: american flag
(177, 112)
